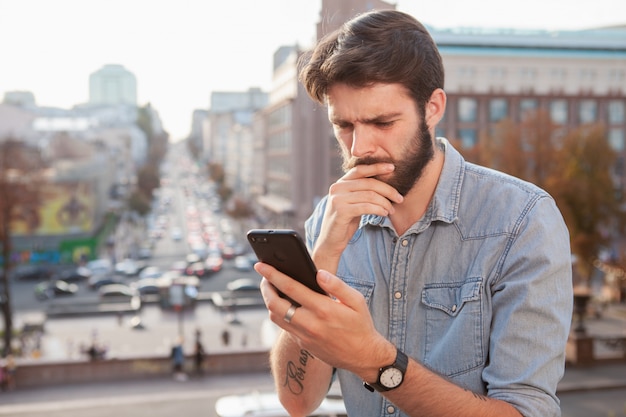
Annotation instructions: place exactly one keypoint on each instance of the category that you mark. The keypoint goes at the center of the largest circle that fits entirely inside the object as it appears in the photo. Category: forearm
(424, 393)
(301, 380)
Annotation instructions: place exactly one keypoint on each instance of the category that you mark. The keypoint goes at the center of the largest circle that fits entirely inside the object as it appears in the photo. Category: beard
(409, 169)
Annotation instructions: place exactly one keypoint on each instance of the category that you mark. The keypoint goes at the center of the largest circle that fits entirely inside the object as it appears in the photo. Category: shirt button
(405, 242)
(454, 308)
(397, 295)
(391, 409)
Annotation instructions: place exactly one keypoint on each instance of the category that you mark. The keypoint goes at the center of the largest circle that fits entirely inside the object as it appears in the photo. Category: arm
(301, 380)
(340, 332)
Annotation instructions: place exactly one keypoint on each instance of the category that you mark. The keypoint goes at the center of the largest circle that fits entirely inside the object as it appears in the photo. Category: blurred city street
(597, 390)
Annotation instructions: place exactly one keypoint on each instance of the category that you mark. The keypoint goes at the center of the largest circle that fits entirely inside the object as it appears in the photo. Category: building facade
(113, 84)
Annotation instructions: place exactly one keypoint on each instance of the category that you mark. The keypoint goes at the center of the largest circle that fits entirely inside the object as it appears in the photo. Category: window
(468, 109)
(558, 111)
(616, 139)
(527, 106)
(587, 111)
(498, 109)
(616, 112)
(468, 138)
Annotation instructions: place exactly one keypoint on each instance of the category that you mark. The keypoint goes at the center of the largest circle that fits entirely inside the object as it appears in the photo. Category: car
(97, 281)
(54, 288)
(267, 404)
(117, 292)
(147, 286)
(242, 263)
(32, 272)
(242, 292)
(214, 262)
(151, 272)
(129, 267)
(77, 274)
(100, 266)
(244, 286)
(198, 269)
(176, 233)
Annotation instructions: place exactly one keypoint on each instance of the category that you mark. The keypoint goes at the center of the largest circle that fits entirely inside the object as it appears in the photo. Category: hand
(353, 195)
(337, 330)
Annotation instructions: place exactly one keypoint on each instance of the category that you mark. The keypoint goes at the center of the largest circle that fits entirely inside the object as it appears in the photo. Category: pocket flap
(450, 297)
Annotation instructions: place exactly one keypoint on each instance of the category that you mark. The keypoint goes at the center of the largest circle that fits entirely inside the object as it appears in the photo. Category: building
(579, 77)
(227, 136)
(113, 84)
(299, 152)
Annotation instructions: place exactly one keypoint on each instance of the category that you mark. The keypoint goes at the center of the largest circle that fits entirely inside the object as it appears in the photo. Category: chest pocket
(454, 326)
(366, 288)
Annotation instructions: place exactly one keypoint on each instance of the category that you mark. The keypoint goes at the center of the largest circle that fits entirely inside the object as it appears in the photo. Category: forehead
(347, 102)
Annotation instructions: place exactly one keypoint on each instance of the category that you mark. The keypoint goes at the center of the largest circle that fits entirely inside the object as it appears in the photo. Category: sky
(182, 50)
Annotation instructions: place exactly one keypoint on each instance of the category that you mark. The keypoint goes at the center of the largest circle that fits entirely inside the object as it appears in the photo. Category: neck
(418, 198)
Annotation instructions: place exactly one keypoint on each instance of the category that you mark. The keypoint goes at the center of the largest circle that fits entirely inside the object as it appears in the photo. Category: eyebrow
(373, 120)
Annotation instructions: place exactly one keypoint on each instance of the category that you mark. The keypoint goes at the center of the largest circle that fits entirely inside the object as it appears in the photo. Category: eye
(383, 125)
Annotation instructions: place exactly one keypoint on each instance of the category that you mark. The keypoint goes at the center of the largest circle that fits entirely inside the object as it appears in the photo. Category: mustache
(367, 160)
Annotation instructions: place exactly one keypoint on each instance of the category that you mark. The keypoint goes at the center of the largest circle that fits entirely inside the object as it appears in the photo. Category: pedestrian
(9, 373)
(225, 337)
(451, 283)
(178, 360)
(199, 355)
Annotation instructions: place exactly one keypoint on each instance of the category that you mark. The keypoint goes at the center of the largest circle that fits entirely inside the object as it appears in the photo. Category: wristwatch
(390, 376)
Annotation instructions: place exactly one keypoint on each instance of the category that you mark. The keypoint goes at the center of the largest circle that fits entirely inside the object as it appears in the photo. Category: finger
(365, 171)
(371, 185)
(341, 291)
(285, 284)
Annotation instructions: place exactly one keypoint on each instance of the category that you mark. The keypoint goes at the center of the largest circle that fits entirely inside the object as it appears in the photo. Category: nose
(362, 142)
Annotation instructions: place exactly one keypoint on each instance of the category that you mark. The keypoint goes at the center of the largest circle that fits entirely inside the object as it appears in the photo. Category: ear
(435, 108)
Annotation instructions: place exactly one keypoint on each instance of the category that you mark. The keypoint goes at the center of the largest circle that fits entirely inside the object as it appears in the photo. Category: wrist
(390, 376)
(384, 355)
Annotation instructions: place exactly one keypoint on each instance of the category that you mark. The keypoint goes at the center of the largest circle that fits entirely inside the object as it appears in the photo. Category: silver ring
(290, 312)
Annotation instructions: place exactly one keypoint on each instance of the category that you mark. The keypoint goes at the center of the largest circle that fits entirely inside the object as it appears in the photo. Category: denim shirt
(479, 290)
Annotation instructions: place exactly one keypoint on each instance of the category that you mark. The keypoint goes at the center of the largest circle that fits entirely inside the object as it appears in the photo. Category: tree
(586, 194)
(21, 178)
(574, 167)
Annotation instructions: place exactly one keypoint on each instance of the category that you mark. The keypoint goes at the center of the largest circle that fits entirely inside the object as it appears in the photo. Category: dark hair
(385, 46)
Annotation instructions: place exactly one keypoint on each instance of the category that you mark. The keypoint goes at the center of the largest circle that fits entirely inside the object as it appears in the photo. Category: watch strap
(401, 362)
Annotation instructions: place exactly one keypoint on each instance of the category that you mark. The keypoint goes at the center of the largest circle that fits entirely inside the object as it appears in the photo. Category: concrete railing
(41, 373)
(585, 350)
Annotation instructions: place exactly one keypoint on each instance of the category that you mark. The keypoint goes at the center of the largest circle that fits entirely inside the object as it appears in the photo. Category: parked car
(54, 288)
(32, 272)
(267, 404)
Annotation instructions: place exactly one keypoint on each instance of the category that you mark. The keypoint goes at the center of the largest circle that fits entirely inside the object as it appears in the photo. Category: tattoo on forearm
(294, 378)
(478, 396)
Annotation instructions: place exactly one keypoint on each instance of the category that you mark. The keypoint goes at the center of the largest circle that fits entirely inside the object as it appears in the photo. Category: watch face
(391, 377)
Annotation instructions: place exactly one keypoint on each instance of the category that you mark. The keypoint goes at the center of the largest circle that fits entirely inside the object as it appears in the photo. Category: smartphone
(285, 250)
